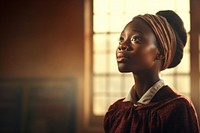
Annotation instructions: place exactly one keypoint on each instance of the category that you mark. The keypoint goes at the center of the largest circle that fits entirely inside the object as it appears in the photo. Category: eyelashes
(134, 39)
(121, 40)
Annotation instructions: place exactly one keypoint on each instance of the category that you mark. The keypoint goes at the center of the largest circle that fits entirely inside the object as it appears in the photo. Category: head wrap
(165, 36)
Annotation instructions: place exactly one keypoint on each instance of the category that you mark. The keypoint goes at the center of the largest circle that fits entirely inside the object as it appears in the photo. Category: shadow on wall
(37, 105)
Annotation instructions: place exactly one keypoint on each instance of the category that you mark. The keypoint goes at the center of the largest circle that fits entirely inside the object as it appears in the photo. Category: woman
(147, 45)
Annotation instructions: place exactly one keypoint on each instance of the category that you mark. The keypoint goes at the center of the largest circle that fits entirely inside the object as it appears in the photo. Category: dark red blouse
(168, 112)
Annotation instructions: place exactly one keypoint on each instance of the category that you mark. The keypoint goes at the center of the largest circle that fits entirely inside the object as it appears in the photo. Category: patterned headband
(165, 36)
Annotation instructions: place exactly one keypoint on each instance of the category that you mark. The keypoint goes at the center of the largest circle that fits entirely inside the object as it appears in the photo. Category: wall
(43, 39)
(194, 54)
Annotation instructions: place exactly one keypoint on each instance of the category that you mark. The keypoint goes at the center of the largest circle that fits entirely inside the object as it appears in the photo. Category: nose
(123, 47)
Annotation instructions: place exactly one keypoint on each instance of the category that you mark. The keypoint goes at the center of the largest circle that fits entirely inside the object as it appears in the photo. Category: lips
(121, 57)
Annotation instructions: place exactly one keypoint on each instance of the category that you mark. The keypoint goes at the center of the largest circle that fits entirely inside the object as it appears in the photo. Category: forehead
(138, 25)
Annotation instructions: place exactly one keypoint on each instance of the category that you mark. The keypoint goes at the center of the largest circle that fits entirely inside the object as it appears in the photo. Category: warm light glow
(110, 17)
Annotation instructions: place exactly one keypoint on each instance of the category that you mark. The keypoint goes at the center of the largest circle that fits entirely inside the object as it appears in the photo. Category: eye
(136, 39)
(121, 39)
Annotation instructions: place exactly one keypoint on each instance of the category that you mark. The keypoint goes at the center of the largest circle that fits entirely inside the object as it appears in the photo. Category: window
(107, 20)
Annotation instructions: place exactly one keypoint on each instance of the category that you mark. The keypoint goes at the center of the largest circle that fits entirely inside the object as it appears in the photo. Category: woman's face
(137, 49)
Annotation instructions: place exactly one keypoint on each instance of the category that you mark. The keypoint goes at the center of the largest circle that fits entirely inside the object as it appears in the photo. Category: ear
(159, 57)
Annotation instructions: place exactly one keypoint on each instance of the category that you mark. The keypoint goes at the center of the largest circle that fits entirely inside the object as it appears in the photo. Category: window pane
(117, 6)
(128, 83)
(101, 23)
(99, 63)
(100, 8)
(109, 19)
(187, 46)
(99, 84)
(168, 71)
(185, 5)
(113, 99)
(184, 66)
(116, 23)
(114, 41)
(100, 42)
(99, 104)
(183, 83)
(112, 63)
(169, 80)
(186, 19)
(114, 84)
(134, 9)
(166, 5)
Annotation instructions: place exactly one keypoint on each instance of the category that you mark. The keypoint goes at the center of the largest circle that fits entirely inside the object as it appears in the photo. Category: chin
(122, 70)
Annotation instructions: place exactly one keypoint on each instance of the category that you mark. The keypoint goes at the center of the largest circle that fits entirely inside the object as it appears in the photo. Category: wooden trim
(194, 53)
(88, 68)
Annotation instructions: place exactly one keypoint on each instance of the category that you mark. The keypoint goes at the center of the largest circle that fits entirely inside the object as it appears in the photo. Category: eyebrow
(137, 31)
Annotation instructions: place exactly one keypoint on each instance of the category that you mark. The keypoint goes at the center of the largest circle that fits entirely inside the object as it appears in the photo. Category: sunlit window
(109, 18)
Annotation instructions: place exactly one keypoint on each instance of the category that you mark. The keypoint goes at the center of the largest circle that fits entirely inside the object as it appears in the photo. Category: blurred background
(57, 61)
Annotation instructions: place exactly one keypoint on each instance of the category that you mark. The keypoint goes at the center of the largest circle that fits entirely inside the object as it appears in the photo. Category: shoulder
(112, 114)
(168, 100)
(165, 93)
(118, 108)
(177, 106)
(116, 104)
(180, 102)
(178, 114)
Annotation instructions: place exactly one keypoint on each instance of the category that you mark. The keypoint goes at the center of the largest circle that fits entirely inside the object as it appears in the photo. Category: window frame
(194, 54)
(94, 123)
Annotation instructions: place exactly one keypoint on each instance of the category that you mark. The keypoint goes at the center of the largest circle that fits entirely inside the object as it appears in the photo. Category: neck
(143, 82)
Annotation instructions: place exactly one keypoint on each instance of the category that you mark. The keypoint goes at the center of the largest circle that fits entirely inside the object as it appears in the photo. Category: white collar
(146, 98)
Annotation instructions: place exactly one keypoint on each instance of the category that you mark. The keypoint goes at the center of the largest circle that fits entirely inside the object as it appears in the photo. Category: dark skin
(138, 53)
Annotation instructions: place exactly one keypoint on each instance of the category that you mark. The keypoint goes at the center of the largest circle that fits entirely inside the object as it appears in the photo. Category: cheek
(140, 59)
(147, 57)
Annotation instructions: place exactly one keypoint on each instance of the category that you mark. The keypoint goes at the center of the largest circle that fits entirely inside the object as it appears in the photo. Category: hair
(181, 35)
